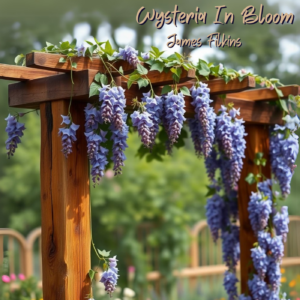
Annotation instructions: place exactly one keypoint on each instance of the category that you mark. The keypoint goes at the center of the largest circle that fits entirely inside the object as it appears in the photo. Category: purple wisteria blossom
(229, 283)
(14, 131)
(283, 152)
(68, 135)
(119, 145)
(214, 214)
(212, 163)
(260, 261)
(206, 116)
(276, 247)
(92, 118)
(264, 239)
(231, 245)
(243, 297)
(129, 54)
(265, 187)
(81, 50)
(281, 222)
(113, 102)
(259, 211)
(143, 123)
(145, 56)
(195, 134)
(274, 274)
(154, 106)
(174, 115)
(258, 288)
(110, 277)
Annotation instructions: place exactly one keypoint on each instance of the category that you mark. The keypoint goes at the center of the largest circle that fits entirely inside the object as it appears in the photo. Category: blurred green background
(171, 194)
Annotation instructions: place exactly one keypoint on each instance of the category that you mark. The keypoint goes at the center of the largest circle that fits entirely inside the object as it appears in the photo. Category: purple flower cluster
(119, 145)
(212, 163)
(281, 222)
(113, 103)
(230, 133)
(283, 152)
(231, 246)
(243, 297)
(274, 274)
(214, 214)
(174, 115)
(68, 134)
(260, 261)
(229, 283)
(205, 116)
(143, 123)
(110, 277)
(129, 54)
(258, 288)
(195, 134)
(154, 106)
(14, 131)
(259, 210)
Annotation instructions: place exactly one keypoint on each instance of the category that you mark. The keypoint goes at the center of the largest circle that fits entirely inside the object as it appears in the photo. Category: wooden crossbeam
(31, 93)
(266, 94)
(50, 62)
(18, 73)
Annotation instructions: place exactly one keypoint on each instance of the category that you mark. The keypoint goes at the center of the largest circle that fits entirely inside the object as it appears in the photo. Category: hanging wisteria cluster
(218, 137)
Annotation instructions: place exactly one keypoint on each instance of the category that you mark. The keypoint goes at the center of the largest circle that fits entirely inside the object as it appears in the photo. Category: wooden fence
(205, 256)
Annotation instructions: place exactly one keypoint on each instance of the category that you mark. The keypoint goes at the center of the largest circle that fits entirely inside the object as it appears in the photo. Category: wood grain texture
(65, 204)
(49, 61)
(257, 141)
(18, 73)
(266, 94)
(219, 86)
(31, 93)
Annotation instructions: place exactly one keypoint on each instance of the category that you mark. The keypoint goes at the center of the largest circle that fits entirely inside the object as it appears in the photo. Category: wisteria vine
(218, 137)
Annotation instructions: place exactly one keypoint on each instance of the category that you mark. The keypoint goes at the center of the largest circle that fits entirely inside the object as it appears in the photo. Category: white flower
(129, 292)
(221, 67)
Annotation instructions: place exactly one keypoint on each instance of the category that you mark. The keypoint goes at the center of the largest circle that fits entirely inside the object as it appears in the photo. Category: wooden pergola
(65, 193)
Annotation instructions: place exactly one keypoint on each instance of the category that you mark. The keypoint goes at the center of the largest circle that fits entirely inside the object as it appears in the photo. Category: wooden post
(257, 141)
(65, 203)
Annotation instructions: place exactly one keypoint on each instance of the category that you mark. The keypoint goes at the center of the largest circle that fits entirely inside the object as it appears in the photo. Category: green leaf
(158, 66)
(104, 253)
(74, 64)
(156, 51)
(121, 70)
(108, 48)
(132, 79)
(49, 44)
(256, 161)
(263, 162)
(90, 43)
(101, 79)
(203, 68)
(278, 91)
(74, 43)
(176, 71)
(166, 89)
(185, 91)
(141, 70)
(179, 56)
(259, 155)
(226, 78)
(142, 82)
(89, 51)
(283, 105)
(19, 58)
(210, 192)
(94, 89)
(92, 274)
(65, 45)
(250, 178)
(62, 60)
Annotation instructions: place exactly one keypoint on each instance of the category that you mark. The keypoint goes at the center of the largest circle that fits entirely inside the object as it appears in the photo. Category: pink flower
(272, 87)
(109, 174)
(13, 277)
(21, 276)
(262, 84)
(131, 269)
(243, 71)
(5, 278)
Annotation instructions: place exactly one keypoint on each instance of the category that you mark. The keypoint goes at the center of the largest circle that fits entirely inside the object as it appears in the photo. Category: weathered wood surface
(65, 204)
(266, 94)
(31, 93)
(219, 86)
(49, 61)
(18, 73)
(257, 141)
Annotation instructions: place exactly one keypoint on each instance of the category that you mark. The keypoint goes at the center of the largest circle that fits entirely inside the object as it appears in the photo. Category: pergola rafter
(46, 85)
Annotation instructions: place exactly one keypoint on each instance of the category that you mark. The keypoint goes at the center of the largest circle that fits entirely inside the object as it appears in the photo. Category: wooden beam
(49, 61)
(18, 73)
(65, 204)
(219, 86)
(266, 94)
(257, 140)
(31, 93)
